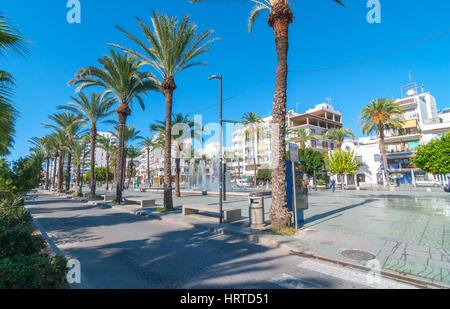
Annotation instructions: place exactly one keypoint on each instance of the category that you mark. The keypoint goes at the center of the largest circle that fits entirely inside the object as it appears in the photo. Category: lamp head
(215, 76)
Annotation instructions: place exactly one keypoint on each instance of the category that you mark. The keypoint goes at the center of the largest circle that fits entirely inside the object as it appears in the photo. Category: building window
(377, 158)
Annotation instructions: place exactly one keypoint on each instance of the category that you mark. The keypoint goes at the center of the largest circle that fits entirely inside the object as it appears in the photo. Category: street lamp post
(221, 121)
(219, 77)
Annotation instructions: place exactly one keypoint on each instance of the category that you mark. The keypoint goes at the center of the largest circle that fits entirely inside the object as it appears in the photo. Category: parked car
(447, 186)
(243, 183)
(428, 183)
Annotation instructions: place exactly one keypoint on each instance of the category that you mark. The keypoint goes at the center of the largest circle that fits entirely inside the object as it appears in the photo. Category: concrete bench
(144, 203)
(229, 214)
(108, 198)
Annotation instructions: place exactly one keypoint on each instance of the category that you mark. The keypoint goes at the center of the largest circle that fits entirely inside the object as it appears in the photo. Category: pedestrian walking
(333, 184)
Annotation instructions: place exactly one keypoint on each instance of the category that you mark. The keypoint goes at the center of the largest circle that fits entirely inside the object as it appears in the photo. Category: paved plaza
(408, 230)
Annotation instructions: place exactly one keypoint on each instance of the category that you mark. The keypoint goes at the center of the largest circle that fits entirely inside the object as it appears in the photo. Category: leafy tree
(341, 162)
(100, 174)
(264, 174)
(434, 157)
(314, 160)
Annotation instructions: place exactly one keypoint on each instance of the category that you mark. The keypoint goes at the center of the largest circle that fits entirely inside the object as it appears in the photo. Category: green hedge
(33, 272)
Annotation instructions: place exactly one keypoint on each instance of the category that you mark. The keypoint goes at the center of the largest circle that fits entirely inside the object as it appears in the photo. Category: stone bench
(144, 203)
(108, 198)
(229, 214)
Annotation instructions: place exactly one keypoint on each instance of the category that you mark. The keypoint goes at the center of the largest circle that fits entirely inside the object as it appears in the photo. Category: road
(118, 250)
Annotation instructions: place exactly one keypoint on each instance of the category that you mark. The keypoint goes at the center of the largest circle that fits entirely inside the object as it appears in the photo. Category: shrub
(320, 182)
(33, 272)
(19, 241)
(14, 216)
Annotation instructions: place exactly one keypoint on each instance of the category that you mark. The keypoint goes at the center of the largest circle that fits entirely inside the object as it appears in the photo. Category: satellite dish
(411, 92)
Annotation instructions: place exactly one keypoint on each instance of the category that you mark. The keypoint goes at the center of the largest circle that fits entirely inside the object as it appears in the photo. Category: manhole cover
(358, 255)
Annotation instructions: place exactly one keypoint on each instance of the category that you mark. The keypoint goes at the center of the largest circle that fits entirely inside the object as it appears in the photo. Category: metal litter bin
(256, 211)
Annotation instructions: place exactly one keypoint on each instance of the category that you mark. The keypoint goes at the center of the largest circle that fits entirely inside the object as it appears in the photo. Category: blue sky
(323, 34)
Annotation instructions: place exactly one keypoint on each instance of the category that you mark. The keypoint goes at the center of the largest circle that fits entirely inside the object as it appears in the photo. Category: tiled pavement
(408, 231)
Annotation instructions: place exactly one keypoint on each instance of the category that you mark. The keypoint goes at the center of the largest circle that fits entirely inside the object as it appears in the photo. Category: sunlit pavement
(120, 250)
(408, 230)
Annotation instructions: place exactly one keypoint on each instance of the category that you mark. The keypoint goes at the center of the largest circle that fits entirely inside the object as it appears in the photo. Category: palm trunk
(69, 165)
(77, 181)
(130, 172)
(47, 172)
(279, 18)
(126, 170)
(55, 160)
(383, 152)
(177, 177)
(168, 87)
(93, 137)
(148, 166)
(123, 112)
(107, 171)
(254, 163)
(61, 171)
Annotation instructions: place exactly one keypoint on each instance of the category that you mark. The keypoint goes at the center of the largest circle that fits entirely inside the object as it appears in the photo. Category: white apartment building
(423, 123)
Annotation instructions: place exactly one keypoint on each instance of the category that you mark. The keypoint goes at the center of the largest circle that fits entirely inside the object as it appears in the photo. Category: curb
(271, 243)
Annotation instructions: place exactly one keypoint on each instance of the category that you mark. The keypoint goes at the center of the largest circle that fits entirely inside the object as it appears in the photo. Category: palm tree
(106, 144)
(252, 128)
(78, 154)
(11, 40)
(149, 144)
(181, 124)
(121, 77)
(45, 143)
(338, 135)
(133, 153)
(302, 136)
(380, 116)
(280, 16)
(70, 124)
(8, 113)
(172, 45)
(92, 110)
(130, 134)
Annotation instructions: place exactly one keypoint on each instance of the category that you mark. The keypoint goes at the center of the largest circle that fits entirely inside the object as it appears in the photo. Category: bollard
(256, 212)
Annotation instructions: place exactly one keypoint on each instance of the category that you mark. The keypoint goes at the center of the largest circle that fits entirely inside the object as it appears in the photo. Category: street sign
(293, 152)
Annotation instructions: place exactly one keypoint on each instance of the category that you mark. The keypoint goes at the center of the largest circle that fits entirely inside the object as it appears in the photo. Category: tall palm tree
(92, 109)
(133, 154)
(302, 136)
(120, 75)
(338, 135)
(70, 124)
(170, 48)
(149, 145)
(252, 128)
(184, 129)
(106, 144)
(380, 116)
(280, 16)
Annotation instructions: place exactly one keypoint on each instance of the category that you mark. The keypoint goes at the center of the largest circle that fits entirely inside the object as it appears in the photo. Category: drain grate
(358, 255)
